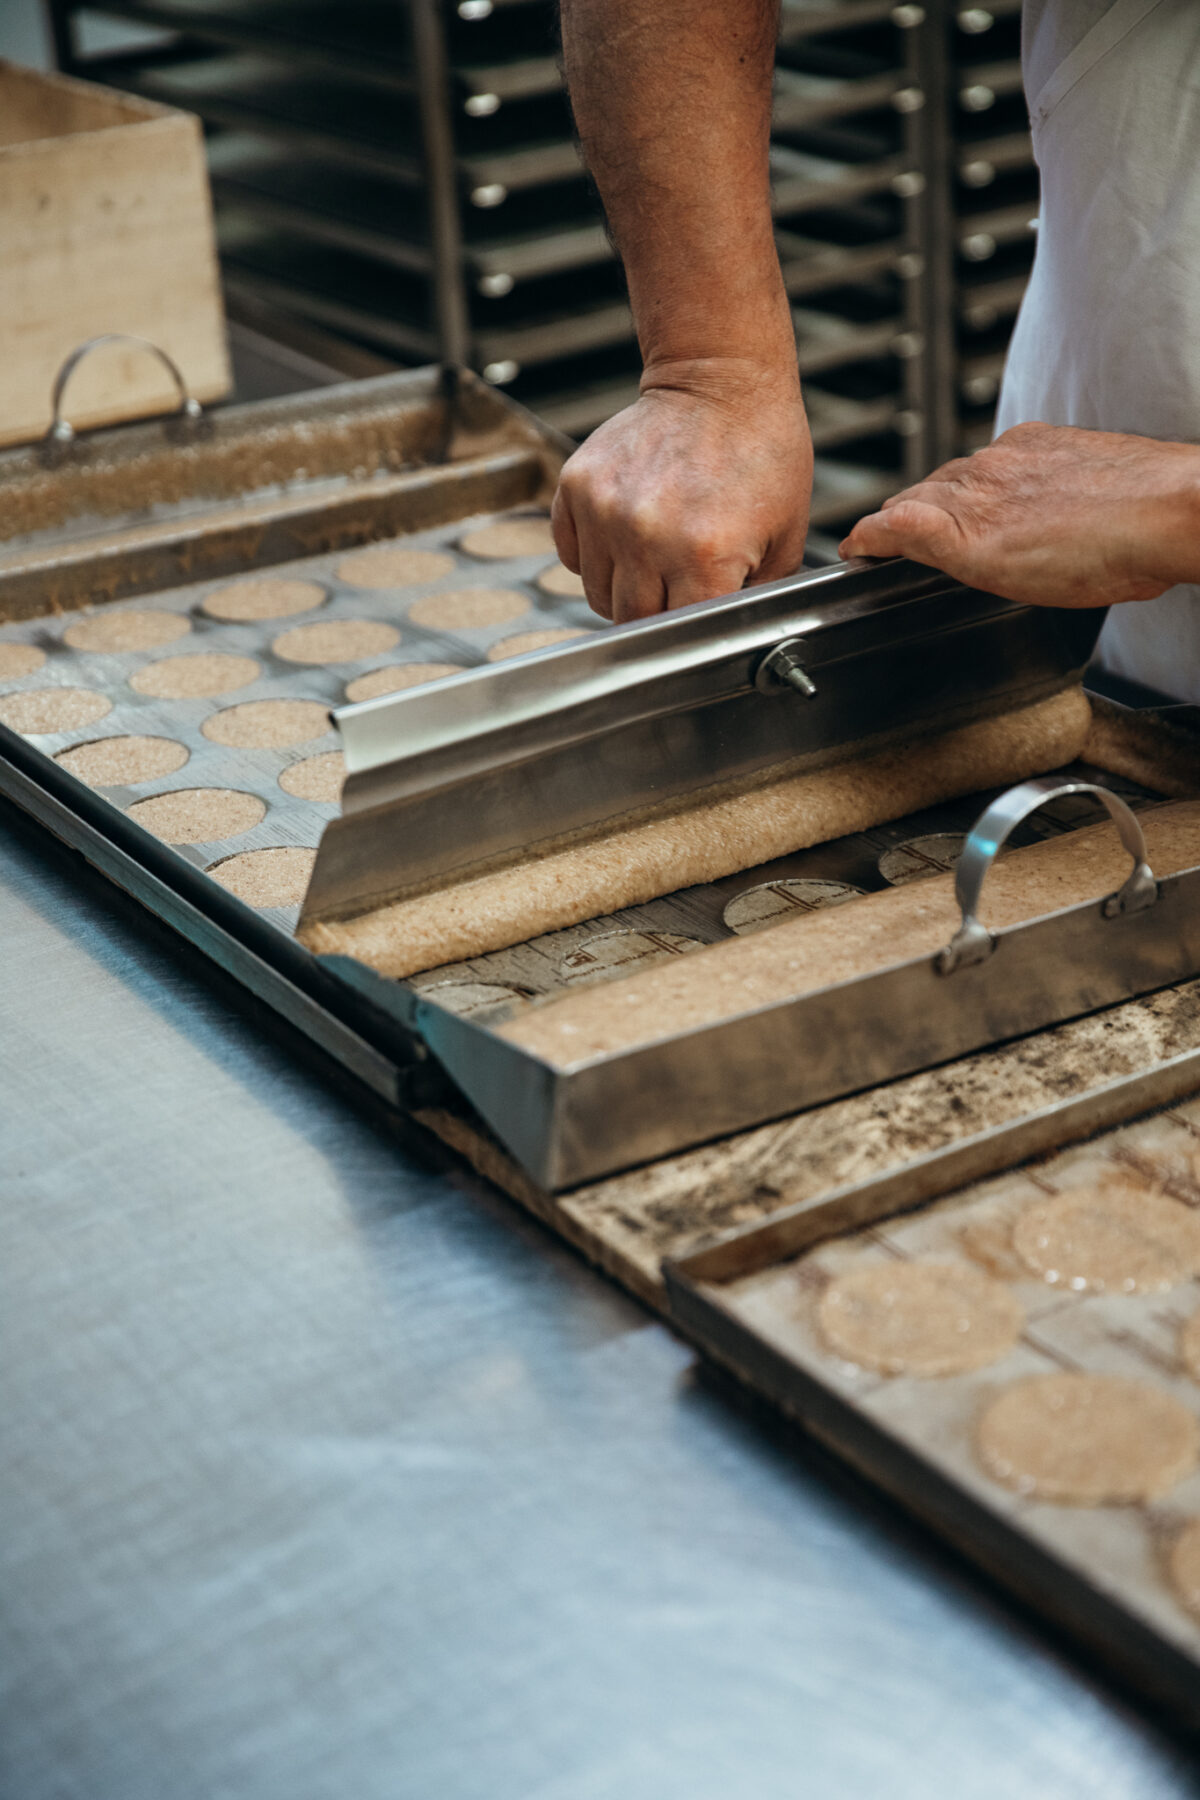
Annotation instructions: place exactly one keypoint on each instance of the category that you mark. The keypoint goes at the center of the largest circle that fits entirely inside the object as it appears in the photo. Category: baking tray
(147, 507)
(393, 1025)
(1100, 1573)
(389, 434)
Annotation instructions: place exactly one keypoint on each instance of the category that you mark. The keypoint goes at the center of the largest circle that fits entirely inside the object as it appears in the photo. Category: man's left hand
(1052, 516)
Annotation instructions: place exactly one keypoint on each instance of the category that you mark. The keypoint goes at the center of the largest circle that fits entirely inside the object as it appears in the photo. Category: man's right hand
(699, 487)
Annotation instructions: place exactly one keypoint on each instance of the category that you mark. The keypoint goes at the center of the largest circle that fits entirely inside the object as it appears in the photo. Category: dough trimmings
(198, 677)
(392, 566)
(115, 632)
(268, 724)
(1183, 1565)
(796, 955)
(39, 712)
(396, 677)
(198, 815)
(123, 761)
(336, 641)
(317, 778)
(1088, 1440)
(529, 535)
(277, 877)
(919, 1318)
(525, 641)
(1112, 1238)
(736, 830)
(468, 609)
(269, 597)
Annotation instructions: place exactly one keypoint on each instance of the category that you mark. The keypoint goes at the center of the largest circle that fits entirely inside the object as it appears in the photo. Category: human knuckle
(646, 518)
(902, 515)
(572, 486)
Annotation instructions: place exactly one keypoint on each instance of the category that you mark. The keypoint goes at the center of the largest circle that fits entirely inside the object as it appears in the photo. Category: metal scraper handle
(973, 942)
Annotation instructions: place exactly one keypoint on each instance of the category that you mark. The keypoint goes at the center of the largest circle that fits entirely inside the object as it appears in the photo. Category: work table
(324, 1471)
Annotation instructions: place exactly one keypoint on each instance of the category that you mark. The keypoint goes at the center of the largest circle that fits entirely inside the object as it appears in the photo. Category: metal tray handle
(973, 942)
(61, 430)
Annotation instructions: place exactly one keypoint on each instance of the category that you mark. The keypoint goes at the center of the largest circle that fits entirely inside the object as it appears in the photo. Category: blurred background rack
(403, 173)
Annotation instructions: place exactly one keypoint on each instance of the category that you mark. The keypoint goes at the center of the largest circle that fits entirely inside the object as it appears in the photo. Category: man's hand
(697, 488)
(1052, 516)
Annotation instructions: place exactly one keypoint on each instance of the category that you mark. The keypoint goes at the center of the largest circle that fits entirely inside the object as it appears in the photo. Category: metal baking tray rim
(273, 966)
(1095, 1621)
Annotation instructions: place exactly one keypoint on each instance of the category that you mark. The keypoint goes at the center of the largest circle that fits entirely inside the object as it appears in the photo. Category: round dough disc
(317, 778)
(527, 535)
(1183, 1565)
(762, 905)
(934, 854)
(19, 659)
(1110, 1239)
(123, 761)
(276, 877)
(392, 566)
(120, 631)
(40, 711)
(612, 953)
(473, 999)
(1189, 1345)
(194, 677)
(396, 677)
(560, 581)
(199, 815)
(336, 641)
(466, 609)
(268, 724)
(271, 597)
(919, 1318)
(530, 640)
(1088, 1440)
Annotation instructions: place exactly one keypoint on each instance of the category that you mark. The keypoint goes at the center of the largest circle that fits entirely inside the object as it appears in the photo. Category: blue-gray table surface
(327, 1475)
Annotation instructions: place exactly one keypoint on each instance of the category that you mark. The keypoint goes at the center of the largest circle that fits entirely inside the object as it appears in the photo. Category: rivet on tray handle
(973, 942)
(62, 431)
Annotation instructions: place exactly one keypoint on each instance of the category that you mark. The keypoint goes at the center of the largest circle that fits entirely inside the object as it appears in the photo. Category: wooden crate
(106, 226)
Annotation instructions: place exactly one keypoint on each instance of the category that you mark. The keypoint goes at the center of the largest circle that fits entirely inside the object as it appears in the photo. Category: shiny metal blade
(445, 782)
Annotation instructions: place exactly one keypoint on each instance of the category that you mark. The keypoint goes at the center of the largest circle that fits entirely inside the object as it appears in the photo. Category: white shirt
(1109, 331)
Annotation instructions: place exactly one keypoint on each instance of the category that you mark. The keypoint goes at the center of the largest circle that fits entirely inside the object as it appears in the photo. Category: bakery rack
(405, 175)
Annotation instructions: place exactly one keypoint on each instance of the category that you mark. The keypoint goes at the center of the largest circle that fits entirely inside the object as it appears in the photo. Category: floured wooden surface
(629, 1223)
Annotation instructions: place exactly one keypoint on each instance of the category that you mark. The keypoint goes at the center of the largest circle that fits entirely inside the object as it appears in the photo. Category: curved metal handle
(62, 431)
(973, 942)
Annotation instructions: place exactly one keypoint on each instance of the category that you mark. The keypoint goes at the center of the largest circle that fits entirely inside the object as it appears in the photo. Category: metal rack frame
(902, 172)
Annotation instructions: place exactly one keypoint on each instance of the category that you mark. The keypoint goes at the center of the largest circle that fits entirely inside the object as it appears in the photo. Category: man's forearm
(703, 483)
(1181, 514)
(672, 101)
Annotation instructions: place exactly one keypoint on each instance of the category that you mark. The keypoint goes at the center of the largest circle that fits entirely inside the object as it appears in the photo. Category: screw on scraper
(784, 667)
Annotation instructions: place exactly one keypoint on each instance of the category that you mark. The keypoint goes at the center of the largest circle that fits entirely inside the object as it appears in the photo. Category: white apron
(1109, 330)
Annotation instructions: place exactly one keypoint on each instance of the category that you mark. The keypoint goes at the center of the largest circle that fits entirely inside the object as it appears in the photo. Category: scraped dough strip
(807, 951)
(1124, 744)
(704, 842)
